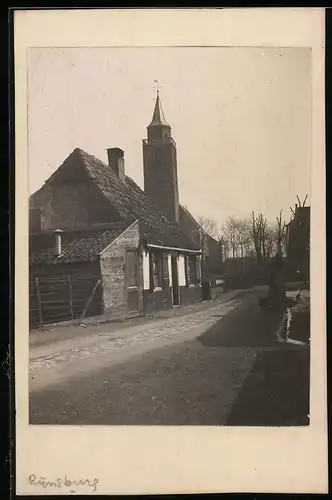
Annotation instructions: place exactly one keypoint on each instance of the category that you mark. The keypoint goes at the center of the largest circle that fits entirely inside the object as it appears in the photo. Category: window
(191, 269)
(198, 269)
(156, 269)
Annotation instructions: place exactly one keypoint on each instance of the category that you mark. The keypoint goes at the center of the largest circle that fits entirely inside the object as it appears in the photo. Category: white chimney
(58, 249)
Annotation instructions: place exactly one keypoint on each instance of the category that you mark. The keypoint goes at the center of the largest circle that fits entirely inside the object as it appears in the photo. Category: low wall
(190, 295)
(156, 300)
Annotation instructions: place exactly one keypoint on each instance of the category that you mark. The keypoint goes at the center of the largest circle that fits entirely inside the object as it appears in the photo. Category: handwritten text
(62, 482)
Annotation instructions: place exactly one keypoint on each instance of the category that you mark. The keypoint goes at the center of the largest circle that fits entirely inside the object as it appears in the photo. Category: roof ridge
(185, 209)
(86, 154)
(74, 151)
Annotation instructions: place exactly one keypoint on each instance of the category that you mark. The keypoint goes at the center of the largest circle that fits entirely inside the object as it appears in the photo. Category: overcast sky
(240, 118)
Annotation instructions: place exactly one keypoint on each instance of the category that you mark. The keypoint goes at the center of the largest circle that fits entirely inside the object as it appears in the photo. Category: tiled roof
(77, 246)
(127, 200)
(185, 213)
(191, 227)
(131, 203)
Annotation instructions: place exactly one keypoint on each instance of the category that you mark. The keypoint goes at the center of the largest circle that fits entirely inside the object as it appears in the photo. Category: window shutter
(198, 269)
(159, 269)
(151, 273)
(165, 268)
(186, 268)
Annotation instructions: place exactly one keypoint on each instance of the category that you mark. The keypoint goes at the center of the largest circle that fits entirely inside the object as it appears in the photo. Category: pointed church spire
(160, 164)
(158, 117)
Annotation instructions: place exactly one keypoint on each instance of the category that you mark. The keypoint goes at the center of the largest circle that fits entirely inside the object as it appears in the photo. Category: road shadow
(276, 392)
(247, 326)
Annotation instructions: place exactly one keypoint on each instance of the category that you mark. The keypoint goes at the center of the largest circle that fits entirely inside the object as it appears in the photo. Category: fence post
(70, 298)
(40, 313)
(90, 299)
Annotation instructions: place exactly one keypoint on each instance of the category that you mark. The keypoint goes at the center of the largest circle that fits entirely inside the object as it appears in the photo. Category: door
(132, 290)
(175, 281)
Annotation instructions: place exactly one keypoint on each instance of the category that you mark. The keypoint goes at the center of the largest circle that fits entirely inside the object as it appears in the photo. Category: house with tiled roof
(298, 244)
(99, 244)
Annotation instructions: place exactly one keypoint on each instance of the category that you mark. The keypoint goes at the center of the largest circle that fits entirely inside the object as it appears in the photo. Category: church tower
(160, 164)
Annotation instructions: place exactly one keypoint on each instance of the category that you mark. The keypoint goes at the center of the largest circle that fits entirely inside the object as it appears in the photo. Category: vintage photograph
(169, 235)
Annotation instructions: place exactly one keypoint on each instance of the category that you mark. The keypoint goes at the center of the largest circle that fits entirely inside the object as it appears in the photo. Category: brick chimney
(116, 162)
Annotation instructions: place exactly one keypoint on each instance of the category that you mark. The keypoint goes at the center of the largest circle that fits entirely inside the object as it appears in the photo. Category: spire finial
(157, 85)
(158, 117)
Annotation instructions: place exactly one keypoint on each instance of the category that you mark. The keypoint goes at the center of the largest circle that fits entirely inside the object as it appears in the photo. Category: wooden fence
(55, 299)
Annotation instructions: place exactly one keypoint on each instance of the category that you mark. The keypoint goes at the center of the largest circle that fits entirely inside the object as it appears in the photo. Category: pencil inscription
(63, 482)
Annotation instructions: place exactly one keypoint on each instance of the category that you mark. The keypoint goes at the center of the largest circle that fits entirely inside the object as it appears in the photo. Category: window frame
(192, 263)
(156, 270)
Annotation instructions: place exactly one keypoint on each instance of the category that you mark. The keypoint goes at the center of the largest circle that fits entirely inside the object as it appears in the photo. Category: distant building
(298, 243)
(211, 248)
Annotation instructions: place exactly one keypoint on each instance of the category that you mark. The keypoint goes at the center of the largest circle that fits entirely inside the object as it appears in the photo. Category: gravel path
(116, 344)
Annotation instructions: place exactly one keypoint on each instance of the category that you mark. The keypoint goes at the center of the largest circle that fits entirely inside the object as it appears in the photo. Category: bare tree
(226, 249)
(224, 245)
(208, 226)
(280, 233)
(269, 241)
(230, 230)
(243, 234)
(258, 230)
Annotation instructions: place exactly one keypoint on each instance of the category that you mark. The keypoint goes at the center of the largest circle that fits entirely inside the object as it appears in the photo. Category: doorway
(175, 281)
(132, 290)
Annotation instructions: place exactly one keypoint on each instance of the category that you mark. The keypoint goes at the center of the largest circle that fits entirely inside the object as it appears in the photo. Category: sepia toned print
(243, 94)
(169, 279)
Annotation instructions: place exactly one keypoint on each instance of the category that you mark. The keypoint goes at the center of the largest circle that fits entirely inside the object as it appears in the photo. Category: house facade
(298, 244)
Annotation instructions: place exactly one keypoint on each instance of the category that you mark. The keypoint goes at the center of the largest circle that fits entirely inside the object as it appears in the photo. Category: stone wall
(112, 264)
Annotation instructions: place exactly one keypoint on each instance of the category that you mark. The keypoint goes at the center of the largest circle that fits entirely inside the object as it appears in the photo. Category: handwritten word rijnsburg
(62, 482)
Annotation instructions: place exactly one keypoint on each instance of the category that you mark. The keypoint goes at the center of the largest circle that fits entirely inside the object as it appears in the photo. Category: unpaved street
(220, 365)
